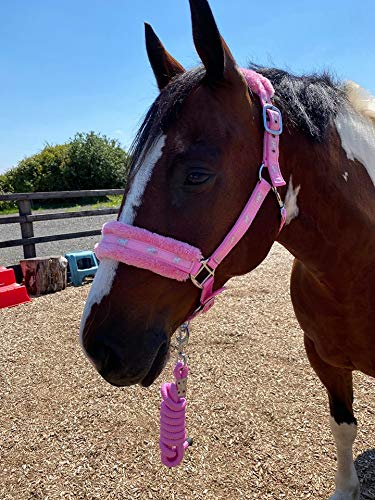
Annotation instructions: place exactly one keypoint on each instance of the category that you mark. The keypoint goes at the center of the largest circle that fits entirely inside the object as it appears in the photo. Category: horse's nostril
(122, 364)
(105, 358)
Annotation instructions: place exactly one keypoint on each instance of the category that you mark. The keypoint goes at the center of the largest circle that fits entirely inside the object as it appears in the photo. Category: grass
(69, 204)
(8, 210)
(110, 202)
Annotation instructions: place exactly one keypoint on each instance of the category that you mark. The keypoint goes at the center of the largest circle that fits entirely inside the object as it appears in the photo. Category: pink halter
(180, 261)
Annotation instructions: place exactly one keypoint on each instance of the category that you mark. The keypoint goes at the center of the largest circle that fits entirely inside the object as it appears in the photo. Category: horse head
(195, 162)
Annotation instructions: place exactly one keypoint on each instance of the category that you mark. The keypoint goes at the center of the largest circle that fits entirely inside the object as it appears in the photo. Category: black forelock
(164, 111)
(308, 103)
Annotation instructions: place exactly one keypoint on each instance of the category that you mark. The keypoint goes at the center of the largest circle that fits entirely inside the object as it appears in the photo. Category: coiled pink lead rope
(173, 439)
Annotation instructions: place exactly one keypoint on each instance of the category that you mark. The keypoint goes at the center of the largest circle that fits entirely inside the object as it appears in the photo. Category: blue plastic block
(81, 264)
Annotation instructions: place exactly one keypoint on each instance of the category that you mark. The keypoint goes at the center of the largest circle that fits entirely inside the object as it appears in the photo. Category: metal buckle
(204, 267)
(268, 129)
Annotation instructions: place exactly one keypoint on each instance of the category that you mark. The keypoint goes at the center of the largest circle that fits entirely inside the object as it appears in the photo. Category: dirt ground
(257, 413)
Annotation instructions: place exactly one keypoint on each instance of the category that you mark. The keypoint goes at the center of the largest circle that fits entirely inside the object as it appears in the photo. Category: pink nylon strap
(273, 121)
(271, 153)
(264, 89)
(235, 234)
(243, 223)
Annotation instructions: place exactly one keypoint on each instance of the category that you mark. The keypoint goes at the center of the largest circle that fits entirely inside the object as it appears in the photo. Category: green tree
(95, 162)
(5, 188)
(40, 172)
(88, 161)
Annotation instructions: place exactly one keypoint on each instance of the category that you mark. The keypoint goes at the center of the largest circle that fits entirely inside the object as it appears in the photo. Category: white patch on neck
(105, 275)
(361, 100)
(290, 203)
(345, 176)
(356, 127)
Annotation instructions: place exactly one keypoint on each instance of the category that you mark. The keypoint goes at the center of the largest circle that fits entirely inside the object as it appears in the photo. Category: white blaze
(137, 189)
(105, 275)
(290, 203)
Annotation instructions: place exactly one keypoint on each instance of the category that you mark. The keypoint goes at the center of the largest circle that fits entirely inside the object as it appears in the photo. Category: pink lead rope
(180, 261)
(173, 438)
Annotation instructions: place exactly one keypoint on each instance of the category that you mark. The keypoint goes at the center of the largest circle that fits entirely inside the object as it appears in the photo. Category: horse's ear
(211, 48)
(164, 66)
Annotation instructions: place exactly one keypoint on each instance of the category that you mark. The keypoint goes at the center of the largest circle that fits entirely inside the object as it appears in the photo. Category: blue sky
(81, 65)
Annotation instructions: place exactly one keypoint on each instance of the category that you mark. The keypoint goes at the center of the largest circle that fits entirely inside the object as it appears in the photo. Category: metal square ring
(204, 267)
(278, 131)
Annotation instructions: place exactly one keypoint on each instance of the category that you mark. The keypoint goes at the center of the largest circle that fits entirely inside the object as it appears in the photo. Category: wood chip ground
(257, 413)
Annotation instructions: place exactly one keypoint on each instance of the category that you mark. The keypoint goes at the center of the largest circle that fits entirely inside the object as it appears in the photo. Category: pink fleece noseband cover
(141, 248)
(180, 261)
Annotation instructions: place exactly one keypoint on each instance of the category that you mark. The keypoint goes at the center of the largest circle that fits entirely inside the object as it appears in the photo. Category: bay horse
(195, 162)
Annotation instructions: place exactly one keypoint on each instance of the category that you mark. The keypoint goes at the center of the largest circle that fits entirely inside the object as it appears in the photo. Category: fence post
(27, 230)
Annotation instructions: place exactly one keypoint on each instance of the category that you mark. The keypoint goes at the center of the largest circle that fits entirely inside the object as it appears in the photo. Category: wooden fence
(26, 217)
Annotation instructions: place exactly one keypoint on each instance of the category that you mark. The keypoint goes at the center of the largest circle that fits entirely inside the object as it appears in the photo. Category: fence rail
(50, 195)
(26, 217)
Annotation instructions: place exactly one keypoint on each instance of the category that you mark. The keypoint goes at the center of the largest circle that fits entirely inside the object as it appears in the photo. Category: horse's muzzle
(136, 363)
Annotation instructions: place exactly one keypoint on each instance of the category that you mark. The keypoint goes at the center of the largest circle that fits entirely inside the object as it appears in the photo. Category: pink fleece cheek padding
(141, 248)
(258, 84)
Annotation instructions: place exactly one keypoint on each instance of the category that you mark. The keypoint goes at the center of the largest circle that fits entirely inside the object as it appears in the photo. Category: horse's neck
(331, 205)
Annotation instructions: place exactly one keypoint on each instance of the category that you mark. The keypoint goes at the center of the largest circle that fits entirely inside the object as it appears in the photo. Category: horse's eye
(196, 178)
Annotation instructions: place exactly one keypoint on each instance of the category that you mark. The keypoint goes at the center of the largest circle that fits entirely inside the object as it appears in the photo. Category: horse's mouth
(157, 366)
(116, 377)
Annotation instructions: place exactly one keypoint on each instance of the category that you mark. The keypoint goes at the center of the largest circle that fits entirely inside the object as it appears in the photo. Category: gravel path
(256, 411)
(43, 228)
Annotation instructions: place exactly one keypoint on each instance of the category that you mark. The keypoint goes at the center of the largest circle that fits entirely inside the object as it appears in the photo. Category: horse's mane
(308, 102)
(361, 100)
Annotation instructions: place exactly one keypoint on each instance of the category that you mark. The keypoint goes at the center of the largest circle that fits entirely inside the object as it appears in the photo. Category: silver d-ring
(260, 171)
